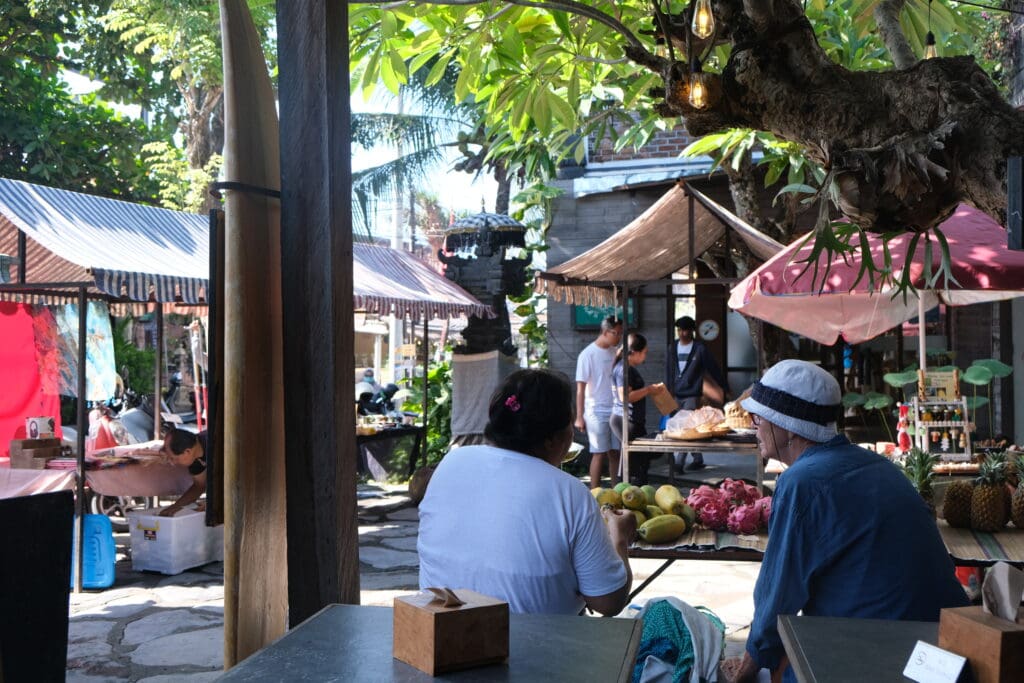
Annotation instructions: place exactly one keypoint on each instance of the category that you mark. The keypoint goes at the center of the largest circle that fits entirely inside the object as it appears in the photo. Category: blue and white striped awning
(387, 281)
(127, 251)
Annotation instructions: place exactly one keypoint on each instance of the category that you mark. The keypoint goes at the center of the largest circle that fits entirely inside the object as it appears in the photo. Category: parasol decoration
(493, 230)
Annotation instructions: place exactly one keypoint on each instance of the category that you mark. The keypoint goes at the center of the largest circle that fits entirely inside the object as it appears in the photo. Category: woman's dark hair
(528, 408)
(178, 440)
(635, 343)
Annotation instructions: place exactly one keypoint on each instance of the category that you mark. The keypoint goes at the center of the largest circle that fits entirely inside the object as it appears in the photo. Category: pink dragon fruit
(714, 514)
(744, 519)
(701, 495)
(764, 506)
(739, 492)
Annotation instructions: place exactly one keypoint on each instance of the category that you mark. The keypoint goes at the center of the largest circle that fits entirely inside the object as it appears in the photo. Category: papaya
(649, 493)
(689, 514)
(621, 486)
(669, 499)
(609, 497)
(640, 517)
(597, 491)
(633, 498)
(662, 529)
(653, 511)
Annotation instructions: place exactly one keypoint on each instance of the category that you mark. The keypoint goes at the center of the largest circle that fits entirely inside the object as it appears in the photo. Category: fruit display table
(700, 544)
(16, 482)
(970, 548)
(353, 643)
(744, 447)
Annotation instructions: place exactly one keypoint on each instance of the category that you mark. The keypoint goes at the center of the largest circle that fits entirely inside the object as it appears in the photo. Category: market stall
(654, 249)
(76, 250)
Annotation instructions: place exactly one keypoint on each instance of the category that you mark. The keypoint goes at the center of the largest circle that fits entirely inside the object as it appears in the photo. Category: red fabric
(21, 392)
(104, 439)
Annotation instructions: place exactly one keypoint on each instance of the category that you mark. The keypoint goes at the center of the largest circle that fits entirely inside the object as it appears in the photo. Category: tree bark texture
(904, 146)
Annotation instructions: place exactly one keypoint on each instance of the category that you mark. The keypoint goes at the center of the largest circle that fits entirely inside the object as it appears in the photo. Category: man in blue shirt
(849, 535)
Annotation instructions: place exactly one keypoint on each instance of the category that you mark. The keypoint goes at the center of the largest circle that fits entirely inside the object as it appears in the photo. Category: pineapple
(990, 509)
(1017, 503)
(918, 468)
(956, 506)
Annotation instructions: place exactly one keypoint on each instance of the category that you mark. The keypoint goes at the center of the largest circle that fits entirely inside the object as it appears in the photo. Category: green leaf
(975, 402)
(877, 401)
(437, 71)
(996, 367)
(853, 400)
(898, 380)
(978, 375)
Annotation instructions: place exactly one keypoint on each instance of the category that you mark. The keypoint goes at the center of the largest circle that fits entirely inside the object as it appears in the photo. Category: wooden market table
(352, 643)
(700, 544)
(744, 447)
(839, 650)
(970, 548)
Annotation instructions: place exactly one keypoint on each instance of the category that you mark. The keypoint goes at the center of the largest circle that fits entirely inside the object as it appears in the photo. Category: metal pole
(921, 330)
(83, 428)
(426, 369)
(22, 257)
(158, 378)
(624, 346)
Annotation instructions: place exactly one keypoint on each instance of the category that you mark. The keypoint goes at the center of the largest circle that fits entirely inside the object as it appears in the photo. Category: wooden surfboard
(255, 541)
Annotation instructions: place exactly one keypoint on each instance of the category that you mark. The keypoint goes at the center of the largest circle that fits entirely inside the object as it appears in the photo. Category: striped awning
(388, 281)
(123, 250)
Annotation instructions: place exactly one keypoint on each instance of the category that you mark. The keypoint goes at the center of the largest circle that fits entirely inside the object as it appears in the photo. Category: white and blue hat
(799, 397)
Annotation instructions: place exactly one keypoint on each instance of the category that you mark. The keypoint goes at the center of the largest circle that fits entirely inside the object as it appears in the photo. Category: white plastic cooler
(170, 545)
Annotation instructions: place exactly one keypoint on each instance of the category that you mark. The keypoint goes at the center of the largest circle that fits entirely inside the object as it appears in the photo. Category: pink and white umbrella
(783, 291)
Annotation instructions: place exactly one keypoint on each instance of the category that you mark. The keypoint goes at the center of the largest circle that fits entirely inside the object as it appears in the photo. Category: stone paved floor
(154, 629)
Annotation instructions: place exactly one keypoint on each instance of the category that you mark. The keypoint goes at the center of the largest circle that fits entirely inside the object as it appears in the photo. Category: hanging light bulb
(698, 96)
(703, 24)
(929, 40)
(929, 46)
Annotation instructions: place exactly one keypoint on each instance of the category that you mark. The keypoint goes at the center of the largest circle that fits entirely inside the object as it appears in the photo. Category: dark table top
(835, 650)
(352, 643)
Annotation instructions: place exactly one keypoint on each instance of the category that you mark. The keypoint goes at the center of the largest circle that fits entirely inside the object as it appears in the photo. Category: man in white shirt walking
(594, 400)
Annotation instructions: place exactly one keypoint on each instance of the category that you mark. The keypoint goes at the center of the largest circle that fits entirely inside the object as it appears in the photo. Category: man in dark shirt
(688, 361)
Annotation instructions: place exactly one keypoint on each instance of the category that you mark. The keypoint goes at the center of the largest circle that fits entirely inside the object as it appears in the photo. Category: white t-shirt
(513, 527)
(594, 366)
(683, 352)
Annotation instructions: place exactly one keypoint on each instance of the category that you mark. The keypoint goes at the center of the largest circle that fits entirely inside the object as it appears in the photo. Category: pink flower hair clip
(512, 403)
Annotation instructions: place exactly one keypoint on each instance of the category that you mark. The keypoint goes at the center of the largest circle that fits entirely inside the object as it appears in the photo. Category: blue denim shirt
(849, 536)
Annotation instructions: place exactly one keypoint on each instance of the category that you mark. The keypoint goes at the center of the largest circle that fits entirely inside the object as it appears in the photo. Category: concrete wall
(576, 226)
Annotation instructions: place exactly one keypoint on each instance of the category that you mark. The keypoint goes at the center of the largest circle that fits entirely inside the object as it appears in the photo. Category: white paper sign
(929, 664)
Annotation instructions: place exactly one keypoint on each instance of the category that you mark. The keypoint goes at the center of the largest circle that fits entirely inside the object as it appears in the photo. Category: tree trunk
(504, 194)
(904, 146)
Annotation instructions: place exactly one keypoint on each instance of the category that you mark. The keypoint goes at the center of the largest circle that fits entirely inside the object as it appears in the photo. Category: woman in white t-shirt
(504, 520)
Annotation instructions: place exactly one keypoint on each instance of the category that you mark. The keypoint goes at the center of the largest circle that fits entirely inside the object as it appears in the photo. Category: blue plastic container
(98, 553)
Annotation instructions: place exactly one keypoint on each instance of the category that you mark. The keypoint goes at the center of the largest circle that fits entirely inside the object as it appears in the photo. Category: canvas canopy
(119, 249)
(652, 247)
(389, 281)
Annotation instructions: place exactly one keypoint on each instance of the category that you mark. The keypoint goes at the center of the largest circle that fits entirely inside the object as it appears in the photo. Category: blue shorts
(599, 434)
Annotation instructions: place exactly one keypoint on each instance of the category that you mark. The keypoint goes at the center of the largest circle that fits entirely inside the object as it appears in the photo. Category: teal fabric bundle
(666, 637)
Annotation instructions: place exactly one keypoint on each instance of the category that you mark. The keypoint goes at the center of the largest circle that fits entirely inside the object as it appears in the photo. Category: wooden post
(316, 237)
(426, 370)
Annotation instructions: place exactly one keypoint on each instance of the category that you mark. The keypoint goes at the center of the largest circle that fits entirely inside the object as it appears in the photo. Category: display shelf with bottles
(943, 427)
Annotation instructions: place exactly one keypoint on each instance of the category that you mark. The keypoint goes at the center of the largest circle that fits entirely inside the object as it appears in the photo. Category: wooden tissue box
(994, 647)
(435, 639)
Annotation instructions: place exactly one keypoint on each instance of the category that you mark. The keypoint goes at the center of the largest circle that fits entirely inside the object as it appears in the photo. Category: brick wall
(664, 144)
